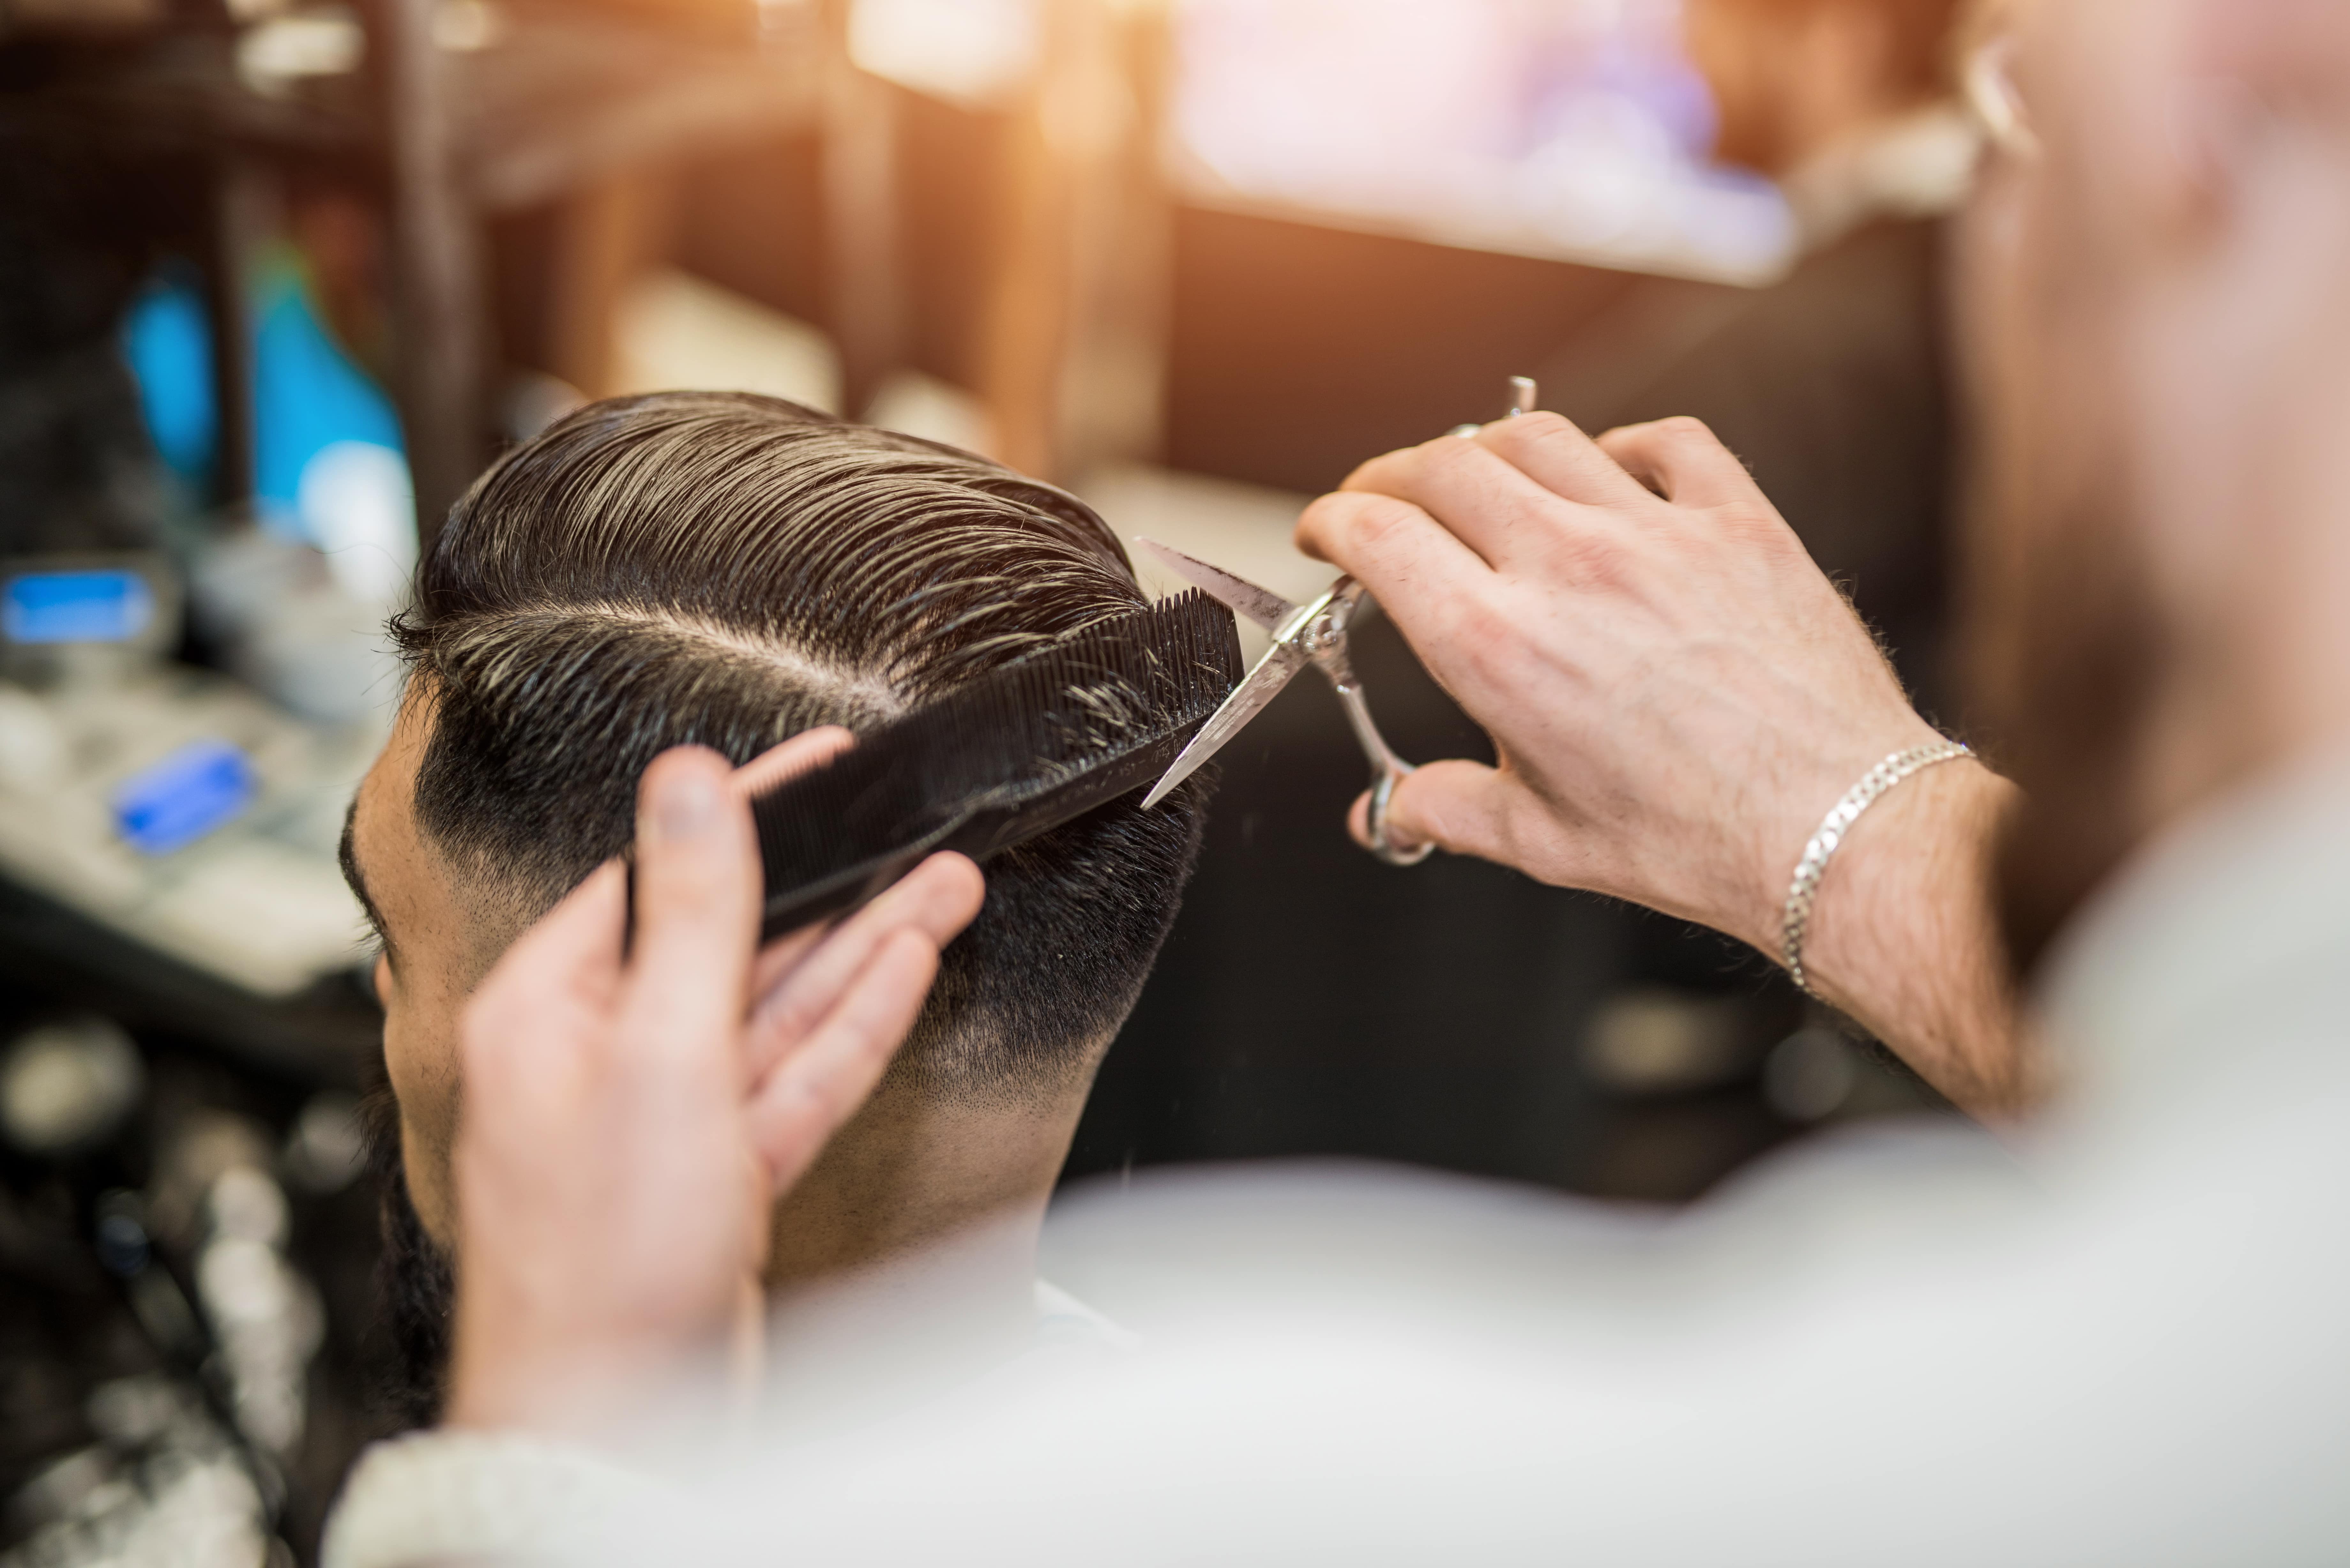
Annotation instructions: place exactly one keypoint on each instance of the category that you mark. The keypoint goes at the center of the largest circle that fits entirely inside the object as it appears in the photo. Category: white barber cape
(2122, 1339)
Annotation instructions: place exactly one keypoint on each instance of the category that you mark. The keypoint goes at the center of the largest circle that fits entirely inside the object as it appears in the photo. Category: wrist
(1933, 832)
(1889, 773)
(568, 1375)
(1902, 936)
(555, 1384)
(1796, 816)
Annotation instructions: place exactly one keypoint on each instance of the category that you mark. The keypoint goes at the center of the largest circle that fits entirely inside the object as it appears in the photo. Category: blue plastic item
(308, 395)
(310, 400)
(167, 339)
(186, 795)
(98, 605)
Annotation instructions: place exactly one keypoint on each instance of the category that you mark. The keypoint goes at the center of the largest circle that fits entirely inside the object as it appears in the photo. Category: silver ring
(1376, 820)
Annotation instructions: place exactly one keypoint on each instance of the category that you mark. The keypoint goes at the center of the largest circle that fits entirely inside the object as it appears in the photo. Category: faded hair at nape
(729, 570)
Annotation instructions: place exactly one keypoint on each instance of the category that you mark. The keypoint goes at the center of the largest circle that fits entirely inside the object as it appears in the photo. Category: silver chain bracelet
(1797, 918)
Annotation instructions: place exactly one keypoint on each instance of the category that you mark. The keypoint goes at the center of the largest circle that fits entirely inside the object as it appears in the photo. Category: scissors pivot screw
(1313, 633)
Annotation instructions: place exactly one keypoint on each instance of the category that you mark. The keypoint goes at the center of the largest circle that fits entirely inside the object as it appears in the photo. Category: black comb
(994, 763)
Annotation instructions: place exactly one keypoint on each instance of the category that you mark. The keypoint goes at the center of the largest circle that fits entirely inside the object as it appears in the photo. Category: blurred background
(278, 276)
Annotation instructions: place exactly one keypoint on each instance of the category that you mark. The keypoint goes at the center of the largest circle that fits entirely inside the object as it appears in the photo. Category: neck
(912, 1171)
(906, 1258)
(2244, 488)
(2264, 684)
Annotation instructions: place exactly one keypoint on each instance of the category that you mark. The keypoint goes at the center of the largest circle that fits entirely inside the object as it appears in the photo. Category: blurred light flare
(1570, 128)
(973, 53)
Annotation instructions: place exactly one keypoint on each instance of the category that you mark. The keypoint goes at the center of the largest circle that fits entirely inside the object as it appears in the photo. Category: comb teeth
(1058, 722)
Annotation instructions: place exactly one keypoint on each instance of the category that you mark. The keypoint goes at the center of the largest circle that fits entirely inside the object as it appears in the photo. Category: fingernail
(686, 808)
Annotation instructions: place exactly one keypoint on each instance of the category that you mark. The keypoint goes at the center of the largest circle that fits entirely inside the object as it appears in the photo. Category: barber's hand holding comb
(630, 1118)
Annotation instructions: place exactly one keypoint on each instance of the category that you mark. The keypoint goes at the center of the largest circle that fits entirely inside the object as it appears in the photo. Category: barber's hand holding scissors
(630, 1116)
(1678, 695)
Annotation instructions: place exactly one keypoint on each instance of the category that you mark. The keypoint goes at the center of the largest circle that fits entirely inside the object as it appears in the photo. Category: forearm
(1903, 939)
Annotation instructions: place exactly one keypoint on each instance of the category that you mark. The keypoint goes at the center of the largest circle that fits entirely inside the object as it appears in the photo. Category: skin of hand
(630, 1116)
(1676, 695)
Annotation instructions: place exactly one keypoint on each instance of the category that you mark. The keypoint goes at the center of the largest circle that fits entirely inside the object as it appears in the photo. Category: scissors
(1313, 633)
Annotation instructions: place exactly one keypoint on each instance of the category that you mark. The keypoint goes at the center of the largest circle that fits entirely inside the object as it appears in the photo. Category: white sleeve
(448, 1496)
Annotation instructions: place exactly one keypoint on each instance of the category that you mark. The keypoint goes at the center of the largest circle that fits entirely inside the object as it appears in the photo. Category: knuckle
(1560, 440)
(1322, 520)
(1332, 518)
(1484, 665)
(1493, 648)
(1469, 617)
(1449, 455)
(1544, 428)
(1377, 518)
(1382, 471)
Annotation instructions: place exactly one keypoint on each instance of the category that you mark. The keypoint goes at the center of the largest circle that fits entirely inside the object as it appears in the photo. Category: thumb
(697, 912)
(1461, 808)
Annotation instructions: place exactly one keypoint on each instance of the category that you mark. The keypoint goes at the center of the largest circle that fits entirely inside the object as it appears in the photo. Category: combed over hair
(729, 570)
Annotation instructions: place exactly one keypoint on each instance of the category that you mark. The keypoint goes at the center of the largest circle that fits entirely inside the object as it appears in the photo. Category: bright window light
(1572, 129)
(974, 53)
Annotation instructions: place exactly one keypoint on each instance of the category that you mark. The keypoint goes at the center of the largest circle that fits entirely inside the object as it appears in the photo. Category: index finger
(1552, 451)
(1687, 462)
(938, 899)
(1420, 573)
(1387, 543)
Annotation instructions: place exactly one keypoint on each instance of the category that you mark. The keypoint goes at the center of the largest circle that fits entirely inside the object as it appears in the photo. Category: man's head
(730, 570)
(2160, 330)
(1791, 78)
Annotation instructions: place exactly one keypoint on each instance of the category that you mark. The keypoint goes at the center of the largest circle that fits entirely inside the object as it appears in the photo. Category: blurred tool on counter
(171, 803)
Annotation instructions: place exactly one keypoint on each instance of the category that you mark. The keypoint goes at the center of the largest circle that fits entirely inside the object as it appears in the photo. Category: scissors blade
(1262, 606)
(1281, 662)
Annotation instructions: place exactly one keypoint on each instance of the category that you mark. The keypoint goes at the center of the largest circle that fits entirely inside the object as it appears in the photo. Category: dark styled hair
(729, 570)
